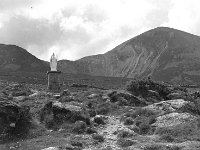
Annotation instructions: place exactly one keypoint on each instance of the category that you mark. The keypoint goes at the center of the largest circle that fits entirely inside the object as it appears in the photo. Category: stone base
(54, 81)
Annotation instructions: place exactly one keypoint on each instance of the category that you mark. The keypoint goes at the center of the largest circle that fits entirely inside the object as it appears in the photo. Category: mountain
(163, 53)
(14, 58)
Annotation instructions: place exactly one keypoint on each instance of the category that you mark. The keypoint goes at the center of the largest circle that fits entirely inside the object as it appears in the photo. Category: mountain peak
(15, 58)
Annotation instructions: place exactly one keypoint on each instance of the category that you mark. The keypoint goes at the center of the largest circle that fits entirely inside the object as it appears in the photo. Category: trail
(110, 130)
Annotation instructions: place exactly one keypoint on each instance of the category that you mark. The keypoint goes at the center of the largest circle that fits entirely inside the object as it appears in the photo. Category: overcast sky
(77, 28)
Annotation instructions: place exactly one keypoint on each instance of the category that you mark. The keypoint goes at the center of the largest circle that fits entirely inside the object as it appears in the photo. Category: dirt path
(110, 130)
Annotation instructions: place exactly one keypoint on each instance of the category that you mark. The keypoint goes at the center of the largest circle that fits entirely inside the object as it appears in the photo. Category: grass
(143, 118)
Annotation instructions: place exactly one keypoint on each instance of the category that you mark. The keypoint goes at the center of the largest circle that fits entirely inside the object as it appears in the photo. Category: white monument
(54, 76)
(53, 63)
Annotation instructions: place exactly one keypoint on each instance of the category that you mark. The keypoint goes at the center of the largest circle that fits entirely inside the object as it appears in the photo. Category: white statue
(53, 63)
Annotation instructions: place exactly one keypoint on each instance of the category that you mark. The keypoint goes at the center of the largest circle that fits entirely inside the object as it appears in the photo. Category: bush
(128, 121)
(142, 112)
(152, 147)
(124, 134)
(98, 138)
(174, 148)
(103, 109)
(90, 131)
(76, 143)
(99, 120)
(141, 87)
(125, 142)
(144, 124)
(167, 138)
(79, 127)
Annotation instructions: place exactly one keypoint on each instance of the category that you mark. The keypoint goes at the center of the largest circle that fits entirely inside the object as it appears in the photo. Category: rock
(93, 96)
(20, 98)
(57, 113)
(180, 126)
(166, 106)
(173, 119)
(177, 95)
(105, 98)
(34, 94)
(14, 119)
(189, 145)
(52, 148)
(154, 94)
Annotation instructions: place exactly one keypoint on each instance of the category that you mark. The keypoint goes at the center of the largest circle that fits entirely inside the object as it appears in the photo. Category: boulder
(93, 96)
(166, 106)
(177, 95)
(173, 119)
(55, 113)
(181, 126)
(52, 148)
(14, 119)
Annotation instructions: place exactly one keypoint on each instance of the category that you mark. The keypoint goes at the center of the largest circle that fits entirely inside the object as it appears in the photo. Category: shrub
(98, 138)
(125, 142)
(144, 124)
(124, 134)
(174, 148)
(76, 143)
(103, 109)
(107, 148)
(113, 96)
(106, 107)
(167, 138)
(99, 120)
(142, 112)
(92, 112)
(128, 121)
(90, 131)
(79, 127)
(152, 147)
(141, 87)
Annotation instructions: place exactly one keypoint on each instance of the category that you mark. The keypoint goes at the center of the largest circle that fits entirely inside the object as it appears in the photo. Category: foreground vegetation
(145, 115)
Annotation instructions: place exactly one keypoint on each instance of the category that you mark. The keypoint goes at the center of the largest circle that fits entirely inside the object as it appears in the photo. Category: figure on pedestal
(54, 76)
(53, 63)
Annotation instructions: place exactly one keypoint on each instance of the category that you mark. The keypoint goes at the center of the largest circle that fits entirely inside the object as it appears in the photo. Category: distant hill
(164, 53)
(14, 58)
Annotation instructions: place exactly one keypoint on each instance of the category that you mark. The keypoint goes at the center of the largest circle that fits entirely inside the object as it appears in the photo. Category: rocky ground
(145, 115)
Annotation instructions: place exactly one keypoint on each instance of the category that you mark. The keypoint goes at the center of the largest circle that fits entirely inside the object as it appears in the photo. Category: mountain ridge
(164, 53)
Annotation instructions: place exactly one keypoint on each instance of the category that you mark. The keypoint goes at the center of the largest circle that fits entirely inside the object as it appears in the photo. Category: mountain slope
(164, 53)
(14, 58)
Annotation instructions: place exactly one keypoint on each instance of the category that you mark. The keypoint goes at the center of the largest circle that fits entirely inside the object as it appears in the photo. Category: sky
(73, 29)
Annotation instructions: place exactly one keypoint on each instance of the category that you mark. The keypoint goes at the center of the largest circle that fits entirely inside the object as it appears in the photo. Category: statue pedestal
(54, 81)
